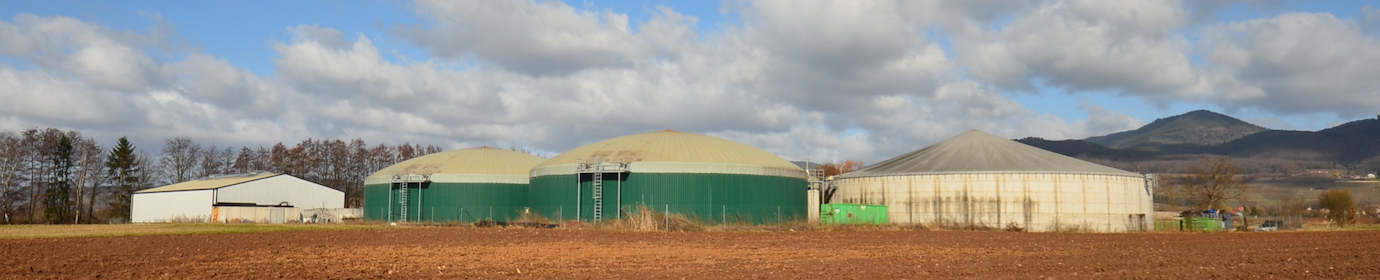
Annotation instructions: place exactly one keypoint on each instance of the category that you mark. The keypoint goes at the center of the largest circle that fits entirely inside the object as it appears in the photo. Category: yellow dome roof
(462, 166)
(672, 151)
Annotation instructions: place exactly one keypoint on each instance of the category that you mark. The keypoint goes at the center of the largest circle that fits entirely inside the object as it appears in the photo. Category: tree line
(55, 176)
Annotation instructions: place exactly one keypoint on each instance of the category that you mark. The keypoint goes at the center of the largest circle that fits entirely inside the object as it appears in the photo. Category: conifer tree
(122, 169)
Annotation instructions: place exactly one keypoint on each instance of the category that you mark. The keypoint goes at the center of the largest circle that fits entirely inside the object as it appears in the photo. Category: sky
(817, 80)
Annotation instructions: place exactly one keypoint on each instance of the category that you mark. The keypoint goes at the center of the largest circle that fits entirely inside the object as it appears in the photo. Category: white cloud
(1124, 46)
(1295, 63)
(547, 38)
(47, 98)
(105, 82)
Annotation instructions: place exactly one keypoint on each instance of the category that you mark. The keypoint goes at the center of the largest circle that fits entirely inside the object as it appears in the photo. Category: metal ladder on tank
(597, 187)
(596, 167)
(402, 200)
(419, 175)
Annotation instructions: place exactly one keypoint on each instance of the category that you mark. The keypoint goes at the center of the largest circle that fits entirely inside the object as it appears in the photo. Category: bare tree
(179, 159)
(87, 175)
(12, 163)
(243, 162)
(147, 170)
(208, 162)
(40, 152)
(1213, 181)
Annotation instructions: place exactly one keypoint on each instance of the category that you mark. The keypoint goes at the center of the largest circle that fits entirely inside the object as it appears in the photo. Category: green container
(1203, 224)
(446, 202)
(852, 214)
(707, 198)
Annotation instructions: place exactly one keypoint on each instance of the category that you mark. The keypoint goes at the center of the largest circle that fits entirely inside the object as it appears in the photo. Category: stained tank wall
(1033, 201)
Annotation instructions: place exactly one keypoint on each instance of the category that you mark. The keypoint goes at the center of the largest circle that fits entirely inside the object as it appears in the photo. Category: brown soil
(595, 254)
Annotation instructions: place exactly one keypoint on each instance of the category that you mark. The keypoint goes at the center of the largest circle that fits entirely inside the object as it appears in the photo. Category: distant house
(254, 197)
(1333, 172)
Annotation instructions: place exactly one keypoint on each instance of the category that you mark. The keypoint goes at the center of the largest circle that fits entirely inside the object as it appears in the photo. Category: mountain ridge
(1352, 145)
(1200, 127)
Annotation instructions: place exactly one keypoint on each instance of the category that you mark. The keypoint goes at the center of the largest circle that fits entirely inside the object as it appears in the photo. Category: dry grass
(529, 217)
(642, 218)
(56, 231)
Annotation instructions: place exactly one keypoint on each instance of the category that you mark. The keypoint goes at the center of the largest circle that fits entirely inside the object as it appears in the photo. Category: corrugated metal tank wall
(709, 198)
(447, 202)
(464, 185)
(1032, 201)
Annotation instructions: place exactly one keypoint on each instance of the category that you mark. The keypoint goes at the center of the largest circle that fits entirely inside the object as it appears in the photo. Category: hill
(1349, 143)
(1182, 133)
(1169, 144)
(1085, 149)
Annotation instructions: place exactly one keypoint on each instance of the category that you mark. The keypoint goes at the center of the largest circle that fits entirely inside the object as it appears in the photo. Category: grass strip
(61, 231)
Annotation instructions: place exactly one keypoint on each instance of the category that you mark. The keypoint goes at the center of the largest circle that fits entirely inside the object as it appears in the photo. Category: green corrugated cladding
(852, 214)
(1203, 224)
(708, 198)
(447, 202)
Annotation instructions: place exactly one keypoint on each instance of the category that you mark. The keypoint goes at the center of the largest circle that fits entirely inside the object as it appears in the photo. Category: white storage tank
(980, 181)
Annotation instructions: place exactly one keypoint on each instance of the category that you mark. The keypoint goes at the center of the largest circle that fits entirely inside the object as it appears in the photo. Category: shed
(251, 197)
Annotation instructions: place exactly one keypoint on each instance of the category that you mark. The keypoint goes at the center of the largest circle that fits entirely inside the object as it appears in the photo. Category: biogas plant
(974, 181)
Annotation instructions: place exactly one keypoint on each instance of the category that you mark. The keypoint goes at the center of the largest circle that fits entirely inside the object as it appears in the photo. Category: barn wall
(1032, 201)
(171, 206)
(272, 191)
(262, 215)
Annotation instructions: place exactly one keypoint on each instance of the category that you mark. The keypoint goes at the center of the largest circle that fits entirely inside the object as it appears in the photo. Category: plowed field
(411, 253)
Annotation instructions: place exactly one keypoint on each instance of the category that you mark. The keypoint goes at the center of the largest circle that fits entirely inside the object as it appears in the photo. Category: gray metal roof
(980, 152)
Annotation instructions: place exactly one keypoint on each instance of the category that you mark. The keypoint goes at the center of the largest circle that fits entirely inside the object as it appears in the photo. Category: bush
(1340, 207)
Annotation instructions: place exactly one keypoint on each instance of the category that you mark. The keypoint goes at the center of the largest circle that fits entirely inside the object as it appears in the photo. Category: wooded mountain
(1197, 128)
(1354, 145)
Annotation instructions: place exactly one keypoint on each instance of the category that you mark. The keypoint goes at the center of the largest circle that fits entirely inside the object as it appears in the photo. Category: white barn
(255, 197)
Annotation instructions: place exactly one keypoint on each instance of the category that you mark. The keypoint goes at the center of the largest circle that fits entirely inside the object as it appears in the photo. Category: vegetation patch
(59, 231)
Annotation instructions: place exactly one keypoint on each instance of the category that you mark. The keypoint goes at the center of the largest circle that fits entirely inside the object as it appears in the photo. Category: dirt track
(591, 254)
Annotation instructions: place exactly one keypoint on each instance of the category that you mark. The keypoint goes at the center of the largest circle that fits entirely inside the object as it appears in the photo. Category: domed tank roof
(672, 151)
(473, 165)
(980, 152)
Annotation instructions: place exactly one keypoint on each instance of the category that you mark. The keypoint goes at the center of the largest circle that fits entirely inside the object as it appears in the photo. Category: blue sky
(851, 79)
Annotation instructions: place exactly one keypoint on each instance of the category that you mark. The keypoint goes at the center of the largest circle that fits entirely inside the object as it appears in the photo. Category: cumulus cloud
(836, 55)
(547, 38)
(1296, 63)
(86, 76)
(1122, 46)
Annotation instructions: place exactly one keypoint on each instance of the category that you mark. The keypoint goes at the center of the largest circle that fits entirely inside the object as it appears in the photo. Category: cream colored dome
(473, 165)
(672, 151)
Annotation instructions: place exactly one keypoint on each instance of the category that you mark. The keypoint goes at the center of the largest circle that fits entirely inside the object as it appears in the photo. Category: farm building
(979, 180)
(461, 185)
(698, 176)
(255, 197)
